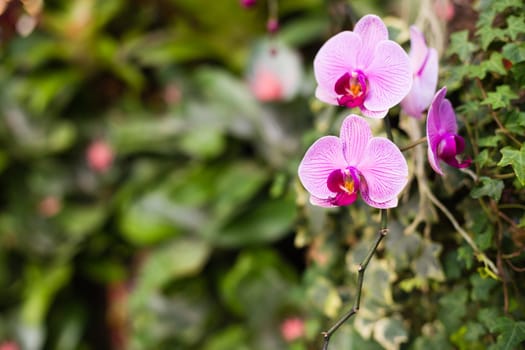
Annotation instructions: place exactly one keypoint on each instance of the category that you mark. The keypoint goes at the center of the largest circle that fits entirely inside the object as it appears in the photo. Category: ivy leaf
(390, 333)
(500, 98)
(487, 34)
(512, 333)
(489, 141)
(515, 52)
(516, 159)
(452, 308)
(461, 46)
(484, 159)
(495, 64)
(501, 5)
(515, 26)
(489, 187)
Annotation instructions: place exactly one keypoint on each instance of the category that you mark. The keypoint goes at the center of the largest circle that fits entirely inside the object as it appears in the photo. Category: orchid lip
(345, 184)
(448, 149)
(351, 88)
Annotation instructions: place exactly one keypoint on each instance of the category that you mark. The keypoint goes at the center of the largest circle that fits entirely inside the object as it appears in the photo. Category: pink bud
(48, 207)
(248, 3)
(9, 345)
(266, 86)
(272, 25)
(99, 156)
(444, 9)
(292, 328)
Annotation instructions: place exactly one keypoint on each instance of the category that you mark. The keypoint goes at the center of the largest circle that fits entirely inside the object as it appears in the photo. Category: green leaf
(324, 297)
(481, 287)
(485, 30)
(453, 307)
(79, 220)
(483, 158)
(512, 333)
(461, 45)
(244, 287)
(495, 64)
(514, 51)
(515, 26)
(233, 337)
(153, 218)
(484, 240)
(501, 5)
(489, 187)
(266, 222)
(427, 265)
(390, 333)
(179, 258)
(41, 285)
(488, 317)
(515, 158)
(501, 98)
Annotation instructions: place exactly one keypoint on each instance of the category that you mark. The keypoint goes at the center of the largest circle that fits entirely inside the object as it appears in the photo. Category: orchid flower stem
(414, 144)
(383, 230)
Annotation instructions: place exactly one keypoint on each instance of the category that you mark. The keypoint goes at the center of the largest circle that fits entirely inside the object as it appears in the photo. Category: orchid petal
(418, 49)
(440, 121)
(355, 134)
(433, 160)
(326, 95)
(335, 58)
(447, 118)
(392, 203)
(323, 157)
(384, 169)
(372, 30)
(373, 114)
(423, 87)
(322, 202)
(389, 77)
(441, 117)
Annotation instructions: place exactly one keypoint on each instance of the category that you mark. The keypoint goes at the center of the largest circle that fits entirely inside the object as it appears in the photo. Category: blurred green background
(149, 197)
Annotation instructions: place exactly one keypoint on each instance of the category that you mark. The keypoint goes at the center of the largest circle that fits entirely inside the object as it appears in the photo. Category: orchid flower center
(345, 184)
(351, 88)
(448, 149)
(447, 146)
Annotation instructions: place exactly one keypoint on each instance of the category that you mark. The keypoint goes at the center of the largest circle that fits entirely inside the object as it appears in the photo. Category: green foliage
(196, 233)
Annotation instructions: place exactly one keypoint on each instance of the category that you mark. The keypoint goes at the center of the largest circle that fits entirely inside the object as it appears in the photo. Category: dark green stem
(383, 230)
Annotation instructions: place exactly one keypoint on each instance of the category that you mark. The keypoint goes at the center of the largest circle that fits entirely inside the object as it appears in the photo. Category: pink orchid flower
(335, 169)
(443, 141)
(424, 62)
(363, 69)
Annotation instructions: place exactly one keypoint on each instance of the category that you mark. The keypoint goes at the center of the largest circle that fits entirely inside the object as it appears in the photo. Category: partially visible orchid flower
(363, 69)
(424, 62)
(336, 169)
(444, 144)
(274, 71)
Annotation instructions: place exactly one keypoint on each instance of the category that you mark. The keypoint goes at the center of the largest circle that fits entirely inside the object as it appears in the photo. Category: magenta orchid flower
(424, 62)
(443, 141)
(336, 169)
(363, 69)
